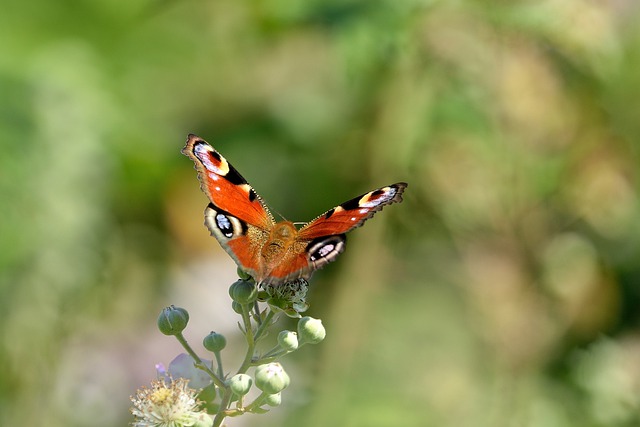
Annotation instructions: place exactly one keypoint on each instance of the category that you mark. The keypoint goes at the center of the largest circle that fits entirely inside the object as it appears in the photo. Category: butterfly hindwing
(242, 241)
(304, 257)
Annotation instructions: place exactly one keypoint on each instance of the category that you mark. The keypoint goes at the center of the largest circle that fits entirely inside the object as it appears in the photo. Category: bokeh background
(504, 291)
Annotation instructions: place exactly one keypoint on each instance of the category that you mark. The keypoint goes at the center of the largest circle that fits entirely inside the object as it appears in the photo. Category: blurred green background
(504, 291)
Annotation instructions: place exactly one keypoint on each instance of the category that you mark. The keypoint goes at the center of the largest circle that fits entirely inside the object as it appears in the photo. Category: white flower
(294, 292)
(174, 405)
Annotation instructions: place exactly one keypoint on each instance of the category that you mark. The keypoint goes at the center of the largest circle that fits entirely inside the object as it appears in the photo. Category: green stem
(265, 323)
(257, 402)
(264, 360)
(251, 343)
(224, 403)
(199, 363)
(256, 313)
(268, 358)
(219, 363)
(273, 354)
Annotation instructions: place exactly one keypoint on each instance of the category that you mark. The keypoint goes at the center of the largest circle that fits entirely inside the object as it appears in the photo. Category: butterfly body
(274, 252)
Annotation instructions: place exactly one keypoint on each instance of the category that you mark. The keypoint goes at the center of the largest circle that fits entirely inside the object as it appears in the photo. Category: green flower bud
(273, 399)
(310, 330)
(173, 320)
(203, 420)
(243, 292)
(240, 384)
(237, 307)
(243, 275)
(263, 295)
(288, 340)
(214, 342)
(271, 378)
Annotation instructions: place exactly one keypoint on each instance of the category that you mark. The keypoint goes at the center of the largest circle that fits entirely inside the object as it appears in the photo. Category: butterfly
(274, 252)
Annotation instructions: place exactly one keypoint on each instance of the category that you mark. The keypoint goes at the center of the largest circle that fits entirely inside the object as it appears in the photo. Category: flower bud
(214, 342)
(243, 292)
(243, 275)
(288, 340)
(240, 384)
(203, 420)
(263, 295)
(310, 330)
(173, 320)
(273, 399)
(271, 378)
(237, 307)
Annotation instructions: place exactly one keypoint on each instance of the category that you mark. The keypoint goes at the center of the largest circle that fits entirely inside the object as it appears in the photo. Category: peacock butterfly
(274, 252)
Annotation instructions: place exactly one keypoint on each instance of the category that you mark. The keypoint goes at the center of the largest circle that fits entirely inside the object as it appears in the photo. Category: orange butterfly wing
(224, 185)
(323, 239)
(236, 216)
(353, 213)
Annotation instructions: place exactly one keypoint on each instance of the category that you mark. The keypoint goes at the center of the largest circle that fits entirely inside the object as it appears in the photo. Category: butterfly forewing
(224, 186)
(353, 213)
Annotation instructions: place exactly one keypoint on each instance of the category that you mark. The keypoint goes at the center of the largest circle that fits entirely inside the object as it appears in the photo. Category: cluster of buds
(270, 379)
(204, 385)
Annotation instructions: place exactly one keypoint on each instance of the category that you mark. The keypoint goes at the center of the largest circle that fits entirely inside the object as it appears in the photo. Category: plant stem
(256, 313)
(224, 403)
(274, 352)
(257, 402)
(251, 344)
(219, 363)
(199, 363)
(265, 323)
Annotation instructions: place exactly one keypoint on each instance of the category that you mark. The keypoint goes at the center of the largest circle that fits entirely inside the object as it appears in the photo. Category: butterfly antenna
(280, 215)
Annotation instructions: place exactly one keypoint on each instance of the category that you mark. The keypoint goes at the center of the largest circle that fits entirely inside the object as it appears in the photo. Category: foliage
(504, 290)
